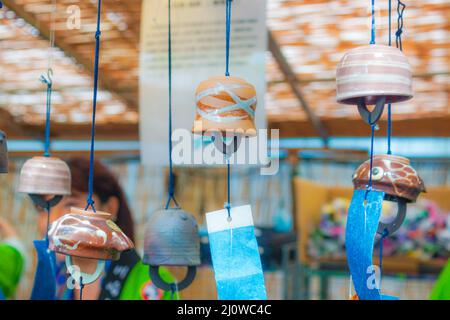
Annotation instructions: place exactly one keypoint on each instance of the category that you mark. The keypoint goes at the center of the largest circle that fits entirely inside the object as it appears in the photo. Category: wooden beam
(292, 80)
(88, 64)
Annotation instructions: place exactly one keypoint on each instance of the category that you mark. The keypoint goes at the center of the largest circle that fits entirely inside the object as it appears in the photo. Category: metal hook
(39, 201)
(226, 148)
(371, 117)
(47, 80)
(391, 227)
(160, 283)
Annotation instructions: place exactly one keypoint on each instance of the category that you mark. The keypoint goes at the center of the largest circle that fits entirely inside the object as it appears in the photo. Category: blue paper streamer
(362, 224)
(238, 270)
(44, 287)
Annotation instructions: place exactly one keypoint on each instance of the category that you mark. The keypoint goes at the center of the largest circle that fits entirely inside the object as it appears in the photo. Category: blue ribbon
(44, 287)
(238, 272)
(362, 223)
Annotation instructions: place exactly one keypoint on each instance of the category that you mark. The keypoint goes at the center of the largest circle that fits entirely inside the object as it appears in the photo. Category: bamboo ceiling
(312, 35)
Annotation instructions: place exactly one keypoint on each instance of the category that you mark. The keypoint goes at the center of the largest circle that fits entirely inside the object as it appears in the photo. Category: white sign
(198, 53)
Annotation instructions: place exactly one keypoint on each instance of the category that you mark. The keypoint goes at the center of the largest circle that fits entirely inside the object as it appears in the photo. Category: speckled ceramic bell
(225, 104)
(373, 75)
(171, 239)
(88, 234)
(391, 174)
(45, 176)
(395, 176)
(3, 153)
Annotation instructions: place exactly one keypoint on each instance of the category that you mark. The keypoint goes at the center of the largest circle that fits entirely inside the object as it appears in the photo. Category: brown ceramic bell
(88, 234)
(3, 153)
(391, 174)
(225, 104)
(45, 176)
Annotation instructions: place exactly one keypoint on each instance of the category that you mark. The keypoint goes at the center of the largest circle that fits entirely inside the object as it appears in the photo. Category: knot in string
(400, 10)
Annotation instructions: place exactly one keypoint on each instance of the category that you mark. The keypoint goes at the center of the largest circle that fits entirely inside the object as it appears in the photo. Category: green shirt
(138, 285)
(441, 289)
(11, 267)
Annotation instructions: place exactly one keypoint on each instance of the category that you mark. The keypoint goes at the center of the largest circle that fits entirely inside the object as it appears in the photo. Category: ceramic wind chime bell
(395, 176)
(87, 234)
(45, 176)
(171, 239)
(373, 75)
(3, 153)
(226, 107)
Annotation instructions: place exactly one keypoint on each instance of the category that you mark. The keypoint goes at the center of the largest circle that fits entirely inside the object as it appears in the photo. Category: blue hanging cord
(389, 124)
(398, 34)
(48, 81)
(228, 203)
(227, 36)
(372, 38)
(171, 175)
(90, 200)
(227, 74)
(81, 288)
(372, 138)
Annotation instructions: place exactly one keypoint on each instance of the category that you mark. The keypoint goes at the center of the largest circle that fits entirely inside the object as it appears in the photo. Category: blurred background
(300, 213)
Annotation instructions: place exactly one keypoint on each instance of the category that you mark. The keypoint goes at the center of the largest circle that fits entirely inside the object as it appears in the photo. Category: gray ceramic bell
(171, 239)
(3, 153)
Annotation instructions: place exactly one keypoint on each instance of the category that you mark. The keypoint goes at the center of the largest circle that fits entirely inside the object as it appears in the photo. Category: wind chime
(84, 233)
(376, 75)
(46, 179)
(171, 234)
(225, 111)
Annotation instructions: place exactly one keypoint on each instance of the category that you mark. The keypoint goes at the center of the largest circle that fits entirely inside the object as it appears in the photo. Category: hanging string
(47, 209)
(90, 201)
(81, 288)
(171, 175)
(227, 36)
(372, 138)
(389, 116)
(227, 74)
(384, 235)
(372, 38)
(47, 80)
(398, 34)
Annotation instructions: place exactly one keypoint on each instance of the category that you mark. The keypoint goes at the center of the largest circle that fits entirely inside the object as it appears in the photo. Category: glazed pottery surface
(391, 174)
(225, 104)
(373, 71)
(45, 176)
(88, 234)
(3, 153)
(171, 239)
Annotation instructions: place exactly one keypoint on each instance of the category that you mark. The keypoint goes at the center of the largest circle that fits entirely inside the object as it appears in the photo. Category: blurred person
(125, 279)
(12, 260)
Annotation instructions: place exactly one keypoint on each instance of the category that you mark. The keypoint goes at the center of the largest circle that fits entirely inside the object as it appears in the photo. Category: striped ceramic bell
(171, 239)
(225, 104)
(45, 176)
(3, 153)
(373, 75)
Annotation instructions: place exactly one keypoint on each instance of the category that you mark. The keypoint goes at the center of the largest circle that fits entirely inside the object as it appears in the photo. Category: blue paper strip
(235, 257)
(44, 287)
(362, 224)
